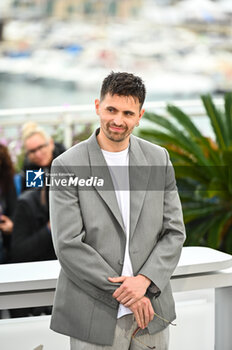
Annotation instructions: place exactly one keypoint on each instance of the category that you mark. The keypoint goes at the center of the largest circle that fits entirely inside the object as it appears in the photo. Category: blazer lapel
(139, 173)
(100, 169)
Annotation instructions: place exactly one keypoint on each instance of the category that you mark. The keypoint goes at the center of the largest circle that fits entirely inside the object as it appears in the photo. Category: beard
(116, 136)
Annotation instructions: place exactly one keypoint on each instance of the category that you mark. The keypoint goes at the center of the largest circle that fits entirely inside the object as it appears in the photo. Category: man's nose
(118, 119)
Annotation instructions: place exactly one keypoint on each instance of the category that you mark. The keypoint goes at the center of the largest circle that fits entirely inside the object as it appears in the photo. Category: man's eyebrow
(107, 107)
(115, 109)
(128, 111)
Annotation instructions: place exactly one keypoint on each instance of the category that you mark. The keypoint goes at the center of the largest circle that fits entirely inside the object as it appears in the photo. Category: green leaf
(227, 242)
(214, 235)
(194, 172)
(179, 158)
(199, 229)
(184, 120)
(228, 112)
(212, 154)
(162, 138)
(192, 214)
(227, 157)
(189, 145)
(216, 121)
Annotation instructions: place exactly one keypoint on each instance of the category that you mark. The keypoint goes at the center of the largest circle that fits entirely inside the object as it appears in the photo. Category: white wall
(30, 332)
(195, 321)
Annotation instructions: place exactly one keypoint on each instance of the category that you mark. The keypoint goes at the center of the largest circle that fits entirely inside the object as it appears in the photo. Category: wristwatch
(153, 291)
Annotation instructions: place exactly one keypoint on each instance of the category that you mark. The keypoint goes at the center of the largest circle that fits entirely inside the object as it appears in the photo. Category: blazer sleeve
(164, 258)
(83, 265)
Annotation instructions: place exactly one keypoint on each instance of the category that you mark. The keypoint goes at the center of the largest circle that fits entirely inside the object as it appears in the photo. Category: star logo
(38, 174)
(34, 178)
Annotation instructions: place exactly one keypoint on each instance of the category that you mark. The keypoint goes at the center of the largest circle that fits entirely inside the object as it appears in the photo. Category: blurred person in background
(7, 202)
(31, 237)
(40, 149)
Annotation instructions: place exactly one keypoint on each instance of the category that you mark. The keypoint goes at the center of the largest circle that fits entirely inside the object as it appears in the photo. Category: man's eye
(110, 109)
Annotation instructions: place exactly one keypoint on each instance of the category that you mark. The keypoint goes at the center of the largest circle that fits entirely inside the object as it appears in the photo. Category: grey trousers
(123, 339)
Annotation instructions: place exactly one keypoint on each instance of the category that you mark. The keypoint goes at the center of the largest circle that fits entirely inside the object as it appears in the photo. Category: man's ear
(141, 113)
(97, 106)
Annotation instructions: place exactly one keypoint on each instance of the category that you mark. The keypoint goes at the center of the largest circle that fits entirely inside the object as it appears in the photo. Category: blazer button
(120, 262)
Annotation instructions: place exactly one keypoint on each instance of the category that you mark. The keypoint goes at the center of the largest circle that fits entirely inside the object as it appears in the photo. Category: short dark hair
(124, 84)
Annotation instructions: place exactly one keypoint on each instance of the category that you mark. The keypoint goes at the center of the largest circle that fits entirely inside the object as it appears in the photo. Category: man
(117, 246)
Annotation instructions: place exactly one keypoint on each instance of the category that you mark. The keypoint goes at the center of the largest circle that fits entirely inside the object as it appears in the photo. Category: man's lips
(115, 128)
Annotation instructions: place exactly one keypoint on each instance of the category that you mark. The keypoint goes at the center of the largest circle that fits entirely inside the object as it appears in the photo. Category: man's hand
(6, 225)
(143, 312)
(131, 290)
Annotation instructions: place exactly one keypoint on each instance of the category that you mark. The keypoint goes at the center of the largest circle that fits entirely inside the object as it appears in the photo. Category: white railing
(199, 269)
(69, 116)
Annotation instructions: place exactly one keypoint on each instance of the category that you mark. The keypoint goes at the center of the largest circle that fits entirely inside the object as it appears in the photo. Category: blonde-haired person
(40, 149)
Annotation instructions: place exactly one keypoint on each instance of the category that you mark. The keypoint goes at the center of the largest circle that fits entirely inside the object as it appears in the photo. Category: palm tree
(203, 168)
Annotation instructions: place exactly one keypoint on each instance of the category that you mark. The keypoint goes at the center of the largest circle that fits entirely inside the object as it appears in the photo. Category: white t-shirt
(118, 163)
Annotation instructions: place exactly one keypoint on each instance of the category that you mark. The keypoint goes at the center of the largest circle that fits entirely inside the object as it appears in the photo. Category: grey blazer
(89, 238)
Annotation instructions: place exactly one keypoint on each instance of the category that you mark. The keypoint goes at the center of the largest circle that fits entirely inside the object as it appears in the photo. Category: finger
(146, 315)
(151, 311)
(141, 317)
(122, 296)
(125, 300)
(118, 292)
(129, 302)
(117, 279)
(132, 301)
(136, 314)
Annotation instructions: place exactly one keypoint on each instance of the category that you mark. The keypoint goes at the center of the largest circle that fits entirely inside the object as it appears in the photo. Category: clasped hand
(131, 294)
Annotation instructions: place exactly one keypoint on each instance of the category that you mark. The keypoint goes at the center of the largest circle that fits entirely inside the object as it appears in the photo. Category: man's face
(39, 150)
(118, 116)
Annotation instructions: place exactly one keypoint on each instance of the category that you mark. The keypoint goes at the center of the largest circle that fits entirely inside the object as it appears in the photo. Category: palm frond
(184, 120)
(216, 120)
(203, 169)
(187, 143)
(228, 113)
